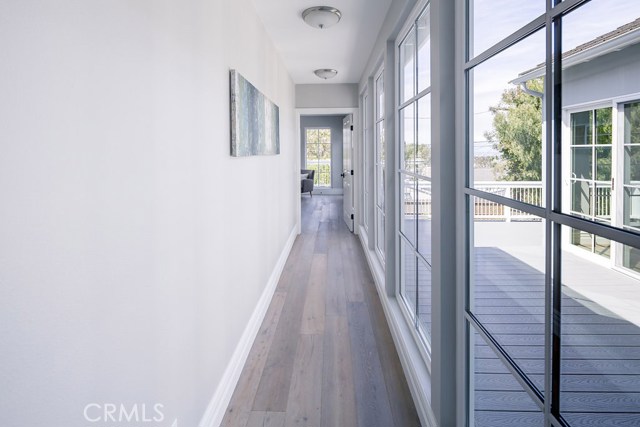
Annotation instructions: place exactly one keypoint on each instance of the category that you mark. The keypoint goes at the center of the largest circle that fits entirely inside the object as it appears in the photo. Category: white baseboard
(218, 405)
(414, 367)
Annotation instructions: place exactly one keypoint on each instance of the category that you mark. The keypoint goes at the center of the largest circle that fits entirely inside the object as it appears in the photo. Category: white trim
(222, 396)
(413, 365)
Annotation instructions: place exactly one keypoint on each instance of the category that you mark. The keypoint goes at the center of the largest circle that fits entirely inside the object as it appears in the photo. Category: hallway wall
(133, 248)
(328, 95)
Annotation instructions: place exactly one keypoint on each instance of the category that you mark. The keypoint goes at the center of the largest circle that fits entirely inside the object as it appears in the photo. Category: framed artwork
(255, 123)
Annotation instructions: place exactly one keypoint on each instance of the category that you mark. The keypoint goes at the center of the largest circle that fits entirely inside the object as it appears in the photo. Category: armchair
(306, 185)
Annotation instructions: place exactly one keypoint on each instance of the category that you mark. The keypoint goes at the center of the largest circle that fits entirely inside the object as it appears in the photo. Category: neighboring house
(601, 139)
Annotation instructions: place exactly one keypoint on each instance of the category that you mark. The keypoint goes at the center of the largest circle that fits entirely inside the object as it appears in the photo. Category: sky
(496, 19)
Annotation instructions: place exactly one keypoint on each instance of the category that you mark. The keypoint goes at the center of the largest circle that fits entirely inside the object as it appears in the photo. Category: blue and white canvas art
(255, 125)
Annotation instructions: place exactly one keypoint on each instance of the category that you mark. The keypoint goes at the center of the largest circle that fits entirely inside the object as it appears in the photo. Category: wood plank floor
(324, 356)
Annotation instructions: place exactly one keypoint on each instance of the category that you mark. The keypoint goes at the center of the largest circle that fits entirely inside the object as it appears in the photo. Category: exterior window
(365, 155)
(318, 155)
(551, 207)
(414, 166)
(590, 174)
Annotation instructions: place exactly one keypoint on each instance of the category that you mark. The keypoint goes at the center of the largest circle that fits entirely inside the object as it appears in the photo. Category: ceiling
(345, 46)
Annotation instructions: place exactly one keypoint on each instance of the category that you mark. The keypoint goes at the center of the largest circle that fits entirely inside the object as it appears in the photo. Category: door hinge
(351, 216)
(352, 128)
(351, 171)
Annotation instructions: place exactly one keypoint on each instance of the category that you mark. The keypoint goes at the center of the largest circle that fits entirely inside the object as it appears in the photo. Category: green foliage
(517, 134)
(421, 155)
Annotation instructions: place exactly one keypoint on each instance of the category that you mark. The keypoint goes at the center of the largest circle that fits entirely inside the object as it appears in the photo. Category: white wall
(603, 78)
(133, 248)
(327, 96)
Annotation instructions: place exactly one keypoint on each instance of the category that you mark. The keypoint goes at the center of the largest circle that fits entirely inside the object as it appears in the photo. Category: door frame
(326, 112)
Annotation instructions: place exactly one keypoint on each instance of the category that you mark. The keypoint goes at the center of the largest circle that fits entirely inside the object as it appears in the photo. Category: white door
(347, 170)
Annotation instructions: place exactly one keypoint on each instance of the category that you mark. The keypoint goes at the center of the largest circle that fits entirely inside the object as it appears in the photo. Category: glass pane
(424, 297)
(631, 258)
(324, 136)
(312, 136)
(507, 282)
(632, 207)
(423, 149)
(380, 231)
(602, 202)
(507, 119)
(380, 146)
(408, 66)
(380, 186)
(424, 50)
(312, 152)
(582, 128)
(408, 138)
(604, 127)
(409, 208)
(581, 162)
(603, 164)
(380, 97)
(492, 20)
(598, 39)
(498, 398)
(600, 342)
(632, 164)
(408, 275)
(582, 239)
(581, 197)
(323, 173)
(632, 123)
(424, 218)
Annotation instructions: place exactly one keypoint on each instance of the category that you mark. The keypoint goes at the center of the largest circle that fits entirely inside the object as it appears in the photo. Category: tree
(517, 133)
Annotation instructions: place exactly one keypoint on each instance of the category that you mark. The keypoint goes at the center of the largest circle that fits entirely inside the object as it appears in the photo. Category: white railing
(524, 191)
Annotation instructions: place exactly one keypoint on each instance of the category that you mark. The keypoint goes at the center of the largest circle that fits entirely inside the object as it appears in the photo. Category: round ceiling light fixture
(326, 73)
(321, 16)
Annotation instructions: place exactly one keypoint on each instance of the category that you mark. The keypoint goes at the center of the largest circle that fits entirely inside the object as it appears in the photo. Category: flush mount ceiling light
(325, 73)
(321, 16)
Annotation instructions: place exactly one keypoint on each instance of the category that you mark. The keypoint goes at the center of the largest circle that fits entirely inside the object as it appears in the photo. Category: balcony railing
(523, 191)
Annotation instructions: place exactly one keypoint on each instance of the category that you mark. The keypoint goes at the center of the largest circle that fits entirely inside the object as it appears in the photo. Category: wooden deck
(600, 347)
(324, 356)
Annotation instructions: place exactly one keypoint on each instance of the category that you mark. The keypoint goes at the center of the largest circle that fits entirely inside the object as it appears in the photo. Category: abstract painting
(255, 128)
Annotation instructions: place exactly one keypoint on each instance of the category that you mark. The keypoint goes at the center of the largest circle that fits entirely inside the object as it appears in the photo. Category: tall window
(552, 127)
(318, 146)
(365, 155)
(380, 167)
(414, 166)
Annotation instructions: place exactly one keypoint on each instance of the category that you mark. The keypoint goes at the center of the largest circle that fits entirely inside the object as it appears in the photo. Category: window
(414, 174)
(590, 174)
(365, 155)
(380, 167)
(318, 155)
(552, 249)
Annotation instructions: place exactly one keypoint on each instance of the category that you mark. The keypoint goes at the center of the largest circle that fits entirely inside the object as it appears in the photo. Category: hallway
(324, 355)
